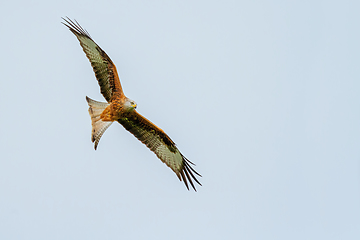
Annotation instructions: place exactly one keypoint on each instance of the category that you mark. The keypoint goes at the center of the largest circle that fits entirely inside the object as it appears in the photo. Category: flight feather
(104, 69)
(161, 144)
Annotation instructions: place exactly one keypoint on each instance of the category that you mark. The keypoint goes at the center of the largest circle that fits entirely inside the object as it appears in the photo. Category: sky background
(262, 95)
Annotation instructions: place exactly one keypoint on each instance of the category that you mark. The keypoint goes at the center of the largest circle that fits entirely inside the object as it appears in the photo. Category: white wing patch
(173, 159)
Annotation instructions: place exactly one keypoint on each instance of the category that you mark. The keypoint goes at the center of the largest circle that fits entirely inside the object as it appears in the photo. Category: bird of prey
(122, 109)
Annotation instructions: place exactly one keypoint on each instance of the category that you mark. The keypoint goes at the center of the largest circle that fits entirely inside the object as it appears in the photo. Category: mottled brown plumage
(121, 109)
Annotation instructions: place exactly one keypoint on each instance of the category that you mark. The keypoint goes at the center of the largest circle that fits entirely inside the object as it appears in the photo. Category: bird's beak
(134, 105)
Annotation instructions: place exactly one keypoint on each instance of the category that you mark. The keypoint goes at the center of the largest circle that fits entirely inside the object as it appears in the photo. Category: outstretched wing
(104, 68)
(161, 144)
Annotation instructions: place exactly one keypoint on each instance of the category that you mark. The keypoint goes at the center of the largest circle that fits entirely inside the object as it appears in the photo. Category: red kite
(122, 109)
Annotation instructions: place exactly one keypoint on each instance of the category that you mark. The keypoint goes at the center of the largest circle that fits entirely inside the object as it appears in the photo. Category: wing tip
(186, 174)
(75, 27)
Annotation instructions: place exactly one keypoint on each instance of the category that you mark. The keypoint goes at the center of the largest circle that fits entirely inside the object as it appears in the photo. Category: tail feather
(98, 126)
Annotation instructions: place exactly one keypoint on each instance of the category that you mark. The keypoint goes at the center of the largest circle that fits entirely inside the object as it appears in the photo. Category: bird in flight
(122, 109)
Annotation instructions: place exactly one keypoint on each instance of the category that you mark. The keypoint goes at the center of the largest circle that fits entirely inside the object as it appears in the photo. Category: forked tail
(98, 126)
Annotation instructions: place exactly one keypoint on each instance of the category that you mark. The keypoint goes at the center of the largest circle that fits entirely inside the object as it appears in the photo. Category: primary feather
(104, 69)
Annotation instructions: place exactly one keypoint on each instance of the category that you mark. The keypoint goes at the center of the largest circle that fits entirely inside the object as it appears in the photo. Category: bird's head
(130, 104)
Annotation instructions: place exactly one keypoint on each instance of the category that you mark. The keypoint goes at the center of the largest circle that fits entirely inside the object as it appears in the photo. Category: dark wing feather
(105, 70)
(161, 144)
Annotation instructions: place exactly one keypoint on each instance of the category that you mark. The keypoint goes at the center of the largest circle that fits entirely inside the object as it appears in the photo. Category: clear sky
(262, 95)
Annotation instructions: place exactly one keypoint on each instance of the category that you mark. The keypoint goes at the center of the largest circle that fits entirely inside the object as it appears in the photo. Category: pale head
(130, 104)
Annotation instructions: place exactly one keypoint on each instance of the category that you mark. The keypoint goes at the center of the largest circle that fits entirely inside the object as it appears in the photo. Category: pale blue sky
(262, 95)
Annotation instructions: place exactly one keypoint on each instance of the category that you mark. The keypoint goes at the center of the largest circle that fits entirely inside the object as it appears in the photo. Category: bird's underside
(122, 109)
